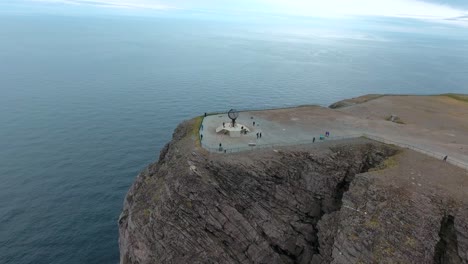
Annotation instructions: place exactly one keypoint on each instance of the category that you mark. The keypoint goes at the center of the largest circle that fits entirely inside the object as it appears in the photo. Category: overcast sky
(449, 12)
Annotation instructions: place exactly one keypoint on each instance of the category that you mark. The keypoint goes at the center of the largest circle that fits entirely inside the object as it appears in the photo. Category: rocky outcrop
(292, 205)
(353, 101)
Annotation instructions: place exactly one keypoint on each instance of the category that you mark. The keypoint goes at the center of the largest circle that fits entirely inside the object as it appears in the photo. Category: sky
(450, 12)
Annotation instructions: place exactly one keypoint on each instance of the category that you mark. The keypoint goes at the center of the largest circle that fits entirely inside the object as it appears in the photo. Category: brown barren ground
(434, 123)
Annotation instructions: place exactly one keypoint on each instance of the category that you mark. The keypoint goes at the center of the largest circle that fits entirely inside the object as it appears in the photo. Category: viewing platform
(435, 125)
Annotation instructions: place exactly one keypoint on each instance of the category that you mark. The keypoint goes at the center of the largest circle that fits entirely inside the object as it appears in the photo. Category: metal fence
(263, 109)
(424, 151)
(436, 155)
(228, 149)
(223, 149)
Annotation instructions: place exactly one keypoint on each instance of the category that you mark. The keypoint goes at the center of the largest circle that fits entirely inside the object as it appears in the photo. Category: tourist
(220, 147)
(313, 140)
(205, 114)
(260, 134)
(257, 135)
(254, 123)
(224, 124)
(445, 158)
(201, 137)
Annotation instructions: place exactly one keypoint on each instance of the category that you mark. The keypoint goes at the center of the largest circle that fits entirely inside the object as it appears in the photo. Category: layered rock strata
(308, 204)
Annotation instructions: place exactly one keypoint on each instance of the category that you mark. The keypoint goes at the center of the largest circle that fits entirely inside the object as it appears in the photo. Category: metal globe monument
(233, 115)
(233, 128)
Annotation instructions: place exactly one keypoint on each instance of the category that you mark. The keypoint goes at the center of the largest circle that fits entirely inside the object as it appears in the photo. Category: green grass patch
(459, 97)
(373, 223)
(147, 212)
(390, 162)
(158, 190)
(410, 242)
(196, 129)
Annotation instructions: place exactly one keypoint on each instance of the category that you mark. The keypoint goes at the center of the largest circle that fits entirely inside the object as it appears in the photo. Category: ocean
(87, 102)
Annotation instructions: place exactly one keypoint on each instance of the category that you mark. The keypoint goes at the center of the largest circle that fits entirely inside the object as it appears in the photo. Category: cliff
(354, 201)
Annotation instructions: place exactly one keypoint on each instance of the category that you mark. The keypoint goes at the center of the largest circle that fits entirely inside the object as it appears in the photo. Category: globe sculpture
(233, 129)
(233, 115)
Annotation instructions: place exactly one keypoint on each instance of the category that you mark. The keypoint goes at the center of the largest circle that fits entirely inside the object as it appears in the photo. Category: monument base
(233, 131)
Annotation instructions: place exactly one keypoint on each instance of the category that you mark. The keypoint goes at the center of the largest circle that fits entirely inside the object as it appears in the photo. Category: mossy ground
(459, 97)
(196, 129)
(388, 163)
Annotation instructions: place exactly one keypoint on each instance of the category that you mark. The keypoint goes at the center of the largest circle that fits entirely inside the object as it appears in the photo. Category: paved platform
(271, 132)
(436, 124)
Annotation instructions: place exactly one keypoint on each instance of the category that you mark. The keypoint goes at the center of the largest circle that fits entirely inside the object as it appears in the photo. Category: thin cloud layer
(384, 8)
(137, 4)
(318, 8)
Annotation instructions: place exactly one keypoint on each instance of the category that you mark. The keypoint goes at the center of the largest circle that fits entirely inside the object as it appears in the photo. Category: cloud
(136, 4)
(416, 9)
(387, 8)
(460, 18)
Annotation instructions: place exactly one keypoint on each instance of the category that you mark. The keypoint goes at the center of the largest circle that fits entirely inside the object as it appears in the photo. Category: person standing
(313, 140)
(260, 134)
(224, 124)
(253, 123)
(257, 135)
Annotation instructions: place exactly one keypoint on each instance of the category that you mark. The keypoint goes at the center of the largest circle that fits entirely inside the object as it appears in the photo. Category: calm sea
(86, 103)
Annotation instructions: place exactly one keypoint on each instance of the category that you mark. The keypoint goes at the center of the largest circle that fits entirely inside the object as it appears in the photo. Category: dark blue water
(86, 103)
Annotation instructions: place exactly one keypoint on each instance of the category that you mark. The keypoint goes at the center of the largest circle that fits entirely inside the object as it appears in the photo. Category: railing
(227, 149)
(223, 149)
(424, 151)
(263, 109)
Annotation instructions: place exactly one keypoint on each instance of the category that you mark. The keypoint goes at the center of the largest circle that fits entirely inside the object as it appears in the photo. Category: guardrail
(263, 109)
(282, 144)
(450, 160)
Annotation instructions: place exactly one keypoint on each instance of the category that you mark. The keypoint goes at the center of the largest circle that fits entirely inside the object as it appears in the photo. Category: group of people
(322, 137)
(259, 135)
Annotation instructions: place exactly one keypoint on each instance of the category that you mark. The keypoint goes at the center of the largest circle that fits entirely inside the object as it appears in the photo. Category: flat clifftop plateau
(350, 201)
(369, 97)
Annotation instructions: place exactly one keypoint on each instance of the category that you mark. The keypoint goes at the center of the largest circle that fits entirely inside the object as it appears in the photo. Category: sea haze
(86, 103)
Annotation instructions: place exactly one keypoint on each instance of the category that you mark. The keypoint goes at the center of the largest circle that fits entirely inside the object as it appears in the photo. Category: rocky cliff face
(314, 204)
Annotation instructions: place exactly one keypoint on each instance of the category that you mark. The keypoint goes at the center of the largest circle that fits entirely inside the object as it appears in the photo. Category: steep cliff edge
(323, 203)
